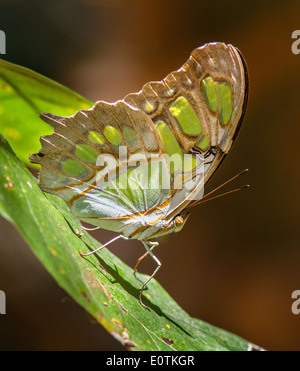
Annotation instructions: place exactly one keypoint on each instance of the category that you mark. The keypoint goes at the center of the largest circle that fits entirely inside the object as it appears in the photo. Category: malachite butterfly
(135, 166)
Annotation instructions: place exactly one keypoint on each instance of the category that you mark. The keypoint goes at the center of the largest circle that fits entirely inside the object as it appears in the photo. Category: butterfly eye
(178, 222)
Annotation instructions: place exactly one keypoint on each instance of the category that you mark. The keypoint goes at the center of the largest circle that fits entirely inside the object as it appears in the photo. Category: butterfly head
(162, 227)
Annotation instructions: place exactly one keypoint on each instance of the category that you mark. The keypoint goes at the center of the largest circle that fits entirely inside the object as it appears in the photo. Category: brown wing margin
(244, 108)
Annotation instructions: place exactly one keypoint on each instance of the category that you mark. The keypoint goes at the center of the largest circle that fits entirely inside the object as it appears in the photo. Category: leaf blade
(24, 94)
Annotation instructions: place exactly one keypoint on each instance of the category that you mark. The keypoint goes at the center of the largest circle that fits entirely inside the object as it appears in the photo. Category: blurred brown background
(236, 262)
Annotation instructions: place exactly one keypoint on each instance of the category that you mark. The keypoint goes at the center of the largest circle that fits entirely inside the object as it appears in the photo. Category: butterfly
(137, 166)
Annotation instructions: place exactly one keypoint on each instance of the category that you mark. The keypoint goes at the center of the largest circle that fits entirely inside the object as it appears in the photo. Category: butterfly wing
(198, 110)
(191, 117)
(98, 161)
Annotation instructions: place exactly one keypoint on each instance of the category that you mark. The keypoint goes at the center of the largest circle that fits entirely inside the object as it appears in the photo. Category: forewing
(198, 110)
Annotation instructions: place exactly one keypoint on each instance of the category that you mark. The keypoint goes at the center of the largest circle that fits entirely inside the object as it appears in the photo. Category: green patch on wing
(129, 135)
(112, 135)
(218, 98)
(86, 153)
(172, 147)
(72, 168)
(95, 137)
(186, 116)
(203, 143)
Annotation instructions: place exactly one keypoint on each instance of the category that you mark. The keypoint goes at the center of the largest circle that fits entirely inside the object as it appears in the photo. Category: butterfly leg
(153, 244)
(102, 246)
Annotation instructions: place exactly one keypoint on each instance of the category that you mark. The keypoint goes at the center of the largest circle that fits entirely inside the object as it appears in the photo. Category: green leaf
(24, 94)
(101, 283)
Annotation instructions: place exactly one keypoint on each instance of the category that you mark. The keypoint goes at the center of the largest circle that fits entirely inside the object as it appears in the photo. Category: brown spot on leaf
(84, 294)
(119, 324)
(94, 283)
(123, 337)
(123, 309)
(99, 317)
(106, 292)
(167, 340)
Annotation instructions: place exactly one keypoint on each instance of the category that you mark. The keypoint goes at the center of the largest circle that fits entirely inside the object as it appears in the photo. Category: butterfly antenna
(203, 199)
(223, 194)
